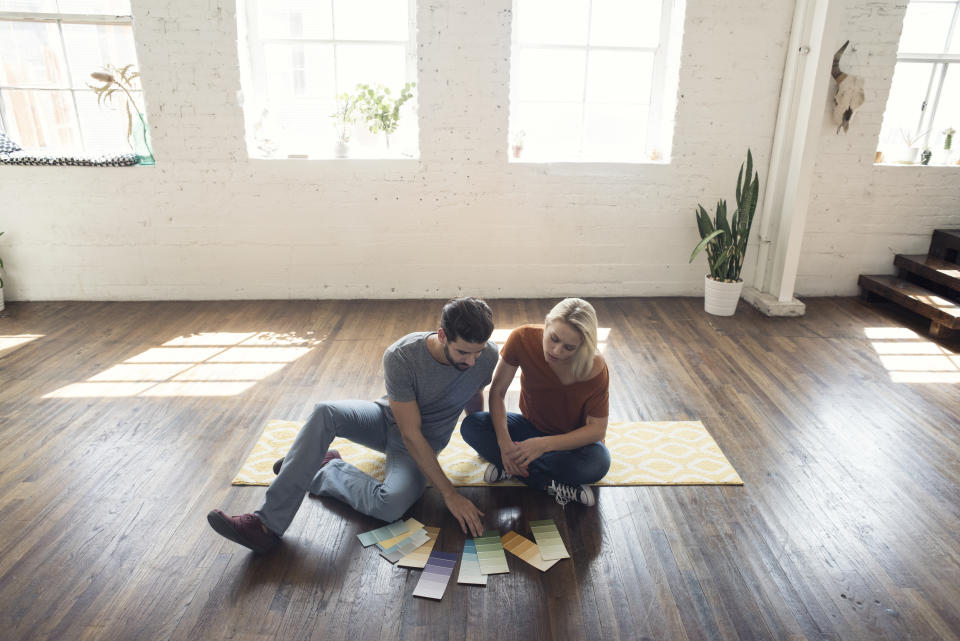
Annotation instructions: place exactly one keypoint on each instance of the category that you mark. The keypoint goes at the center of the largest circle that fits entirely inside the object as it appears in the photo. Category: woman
(555, 444)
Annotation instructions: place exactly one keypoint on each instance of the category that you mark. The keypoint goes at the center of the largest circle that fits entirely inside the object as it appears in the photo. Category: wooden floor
(847, 526)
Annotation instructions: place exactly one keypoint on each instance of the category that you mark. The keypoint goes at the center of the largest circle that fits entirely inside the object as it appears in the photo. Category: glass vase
(140, 138)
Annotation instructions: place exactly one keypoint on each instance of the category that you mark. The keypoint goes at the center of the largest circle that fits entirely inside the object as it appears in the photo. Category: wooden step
(945, 244)
(944, 314)
(936, 270)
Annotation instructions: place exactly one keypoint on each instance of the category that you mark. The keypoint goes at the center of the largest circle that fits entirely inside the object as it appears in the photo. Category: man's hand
(465, 512)
(510, 455)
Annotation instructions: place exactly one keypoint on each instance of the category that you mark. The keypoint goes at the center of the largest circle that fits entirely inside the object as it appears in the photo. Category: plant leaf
(705, 242)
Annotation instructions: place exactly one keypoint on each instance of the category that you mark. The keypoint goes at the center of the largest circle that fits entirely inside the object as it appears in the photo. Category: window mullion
(586, 79)
(926, 100)
(333, 35)
(70, 18)
(3, 121)
(654, 137)
(932, 106)
(73, 93)
(953, 27)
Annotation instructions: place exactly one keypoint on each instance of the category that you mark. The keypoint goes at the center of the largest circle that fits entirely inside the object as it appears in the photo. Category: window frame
(256, 59)
(60, 19)
(941, 63)
(656, 139)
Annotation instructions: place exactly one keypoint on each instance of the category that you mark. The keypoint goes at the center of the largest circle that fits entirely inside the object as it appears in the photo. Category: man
(430, 378)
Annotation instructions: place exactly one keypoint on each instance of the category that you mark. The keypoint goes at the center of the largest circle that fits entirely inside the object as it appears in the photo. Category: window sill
(586, 161)
(332, 159)
(49, 158)
(915, 164)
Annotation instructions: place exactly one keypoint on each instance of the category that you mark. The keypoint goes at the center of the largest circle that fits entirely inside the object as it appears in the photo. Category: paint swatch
(406, 546)
(412, 525)
(436, 575)
(418, 558)
(387, 531)
(526, 549)
(548, 540)
(490, 553)
(470, 565)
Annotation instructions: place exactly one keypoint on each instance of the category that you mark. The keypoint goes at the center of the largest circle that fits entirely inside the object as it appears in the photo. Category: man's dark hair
(467, 318)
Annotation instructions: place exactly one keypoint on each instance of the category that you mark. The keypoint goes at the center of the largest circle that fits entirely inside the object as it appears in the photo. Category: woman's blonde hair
(580, 315)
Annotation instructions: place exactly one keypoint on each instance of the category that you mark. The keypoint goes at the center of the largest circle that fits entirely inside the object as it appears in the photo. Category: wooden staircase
(926, 284)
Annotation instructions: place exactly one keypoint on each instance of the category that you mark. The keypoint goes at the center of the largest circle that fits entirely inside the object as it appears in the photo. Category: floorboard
(847, 526)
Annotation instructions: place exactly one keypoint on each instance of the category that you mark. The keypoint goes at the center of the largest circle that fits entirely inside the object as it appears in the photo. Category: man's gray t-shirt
(441, 391)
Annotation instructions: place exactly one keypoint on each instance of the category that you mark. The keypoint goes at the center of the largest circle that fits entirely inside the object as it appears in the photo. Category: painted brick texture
(208, 223)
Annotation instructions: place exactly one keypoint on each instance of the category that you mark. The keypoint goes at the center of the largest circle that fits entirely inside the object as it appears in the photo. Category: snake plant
(726, 241)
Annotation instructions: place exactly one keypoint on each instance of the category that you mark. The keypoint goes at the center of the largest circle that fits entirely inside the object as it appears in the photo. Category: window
(924, 100)
(594, 80)
(48, 49)
(299, 55)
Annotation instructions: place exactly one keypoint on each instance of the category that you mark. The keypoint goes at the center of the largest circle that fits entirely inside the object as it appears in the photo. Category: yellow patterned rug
(643, 453)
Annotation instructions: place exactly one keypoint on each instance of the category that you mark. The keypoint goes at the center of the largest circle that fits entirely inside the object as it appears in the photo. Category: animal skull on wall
(849, 97)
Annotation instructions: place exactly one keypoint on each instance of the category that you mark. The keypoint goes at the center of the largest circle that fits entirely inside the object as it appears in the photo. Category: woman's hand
(509, 454)
(525, 452)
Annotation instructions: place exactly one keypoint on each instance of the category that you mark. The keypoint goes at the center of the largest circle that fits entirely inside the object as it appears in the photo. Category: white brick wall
(207, 223)
(861, 214)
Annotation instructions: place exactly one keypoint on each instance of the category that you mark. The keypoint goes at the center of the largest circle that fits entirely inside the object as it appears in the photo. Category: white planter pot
(1, 299)
(341, 150)
(906, 155)
(719, 298)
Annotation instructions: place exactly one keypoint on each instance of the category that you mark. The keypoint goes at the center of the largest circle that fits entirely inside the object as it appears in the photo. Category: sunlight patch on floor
(208, 364)
(912, 358)
(12, 341)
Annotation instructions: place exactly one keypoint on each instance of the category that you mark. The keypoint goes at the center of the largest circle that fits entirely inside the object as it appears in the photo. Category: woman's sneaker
(566, 493)
(493, 474)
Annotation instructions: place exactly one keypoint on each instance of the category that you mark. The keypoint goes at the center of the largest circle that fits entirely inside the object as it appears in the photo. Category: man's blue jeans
(363, 422)
(582, 466)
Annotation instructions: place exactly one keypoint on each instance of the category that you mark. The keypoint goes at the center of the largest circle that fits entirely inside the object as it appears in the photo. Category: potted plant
(116, 79)
(726, 244)
(907, 154)
(344, 116)
(947, 144)
(381, 111)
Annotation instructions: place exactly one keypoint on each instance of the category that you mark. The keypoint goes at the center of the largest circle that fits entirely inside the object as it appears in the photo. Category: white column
(800, 119)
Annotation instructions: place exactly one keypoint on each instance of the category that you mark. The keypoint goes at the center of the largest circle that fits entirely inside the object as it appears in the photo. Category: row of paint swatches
(418, 558)
(524, 548)
(383, 533)
(470, 565)
(548, 539)
(400, 540)
(411, 527)
(490, 553)
(407, 546)
(436, 574)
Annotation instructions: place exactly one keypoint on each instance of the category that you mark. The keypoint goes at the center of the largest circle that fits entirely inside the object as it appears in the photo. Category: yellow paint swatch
(526, 549)
(418, 558)
(412, 526)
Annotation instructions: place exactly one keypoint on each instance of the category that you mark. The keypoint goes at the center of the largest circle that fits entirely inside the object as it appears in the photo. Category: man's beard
(460, 366)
